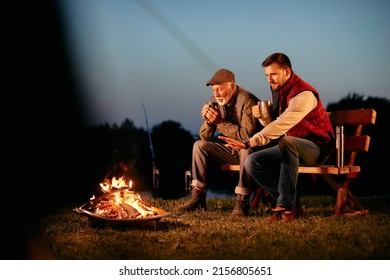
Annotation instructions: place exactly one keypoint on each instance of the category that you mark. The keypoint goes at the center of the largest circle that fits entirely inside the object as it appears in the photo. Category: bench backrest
(352, 122)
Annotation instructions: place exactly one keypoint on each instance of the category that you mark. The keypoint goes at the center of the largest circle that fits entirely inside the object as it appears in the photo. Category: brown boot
(241, 205)
(196, 201)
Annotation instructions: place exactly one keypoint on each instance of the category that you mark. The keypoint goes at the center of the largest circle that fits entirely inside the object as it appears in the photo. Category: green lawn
(214, 234)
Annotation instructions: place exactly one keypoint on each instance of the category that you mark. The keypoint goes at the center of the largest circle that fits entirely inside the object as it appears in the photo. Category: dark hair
(279, 58)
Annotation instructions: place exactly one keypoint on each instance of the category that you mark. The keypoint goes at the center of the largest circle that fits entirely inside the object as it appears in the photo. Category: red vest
(316, 125)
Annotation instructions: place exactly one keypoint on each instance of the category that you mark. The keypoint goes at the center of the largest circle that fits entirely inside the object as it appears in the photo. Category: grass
(213, 234)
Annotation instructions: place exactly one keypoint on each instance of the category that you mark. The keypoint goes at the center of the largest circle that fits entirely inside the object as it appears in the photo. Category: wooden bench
(348, 126)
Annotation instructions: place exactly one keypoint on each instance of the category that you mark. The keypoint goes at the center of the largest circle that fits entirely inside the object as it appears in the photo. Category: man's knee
(248, 162)
(244, 153)
(286, 142)
(199, 145)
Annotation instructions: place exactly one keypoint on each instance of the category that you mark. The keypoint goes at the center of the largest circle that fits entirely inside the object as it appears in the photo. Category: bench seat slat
(329, 169)
(231, 167)
(323, 169)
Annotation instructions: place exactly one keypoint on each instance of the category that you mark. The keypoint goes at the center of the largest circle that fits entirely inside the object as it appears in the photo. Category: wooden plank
(356, 143)
(329, 169)
(323, 169)
(353, 117)
(231, 167)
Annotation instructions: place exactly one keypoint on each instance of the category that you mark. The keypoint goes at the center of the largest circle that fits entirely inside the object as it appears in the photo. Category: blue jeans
(275, 169)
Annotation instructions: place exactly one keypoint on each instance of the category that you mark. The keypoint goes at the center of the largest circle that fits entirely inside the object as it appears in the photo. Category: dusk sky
(161, 53)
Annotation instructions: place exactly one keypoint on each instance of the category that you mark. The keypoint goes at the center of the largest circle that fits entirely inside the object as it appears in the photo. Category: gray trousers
(204, 152)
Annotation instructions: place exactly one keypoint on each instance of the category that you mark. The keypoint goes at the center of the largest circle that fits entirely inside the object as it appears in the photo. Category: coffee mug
(266, 111)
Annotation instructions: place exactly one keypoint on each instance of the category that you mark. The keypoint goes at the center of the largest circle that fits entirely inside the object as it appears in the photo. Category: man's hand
(256, 110)
(211, 115)
(232, 143)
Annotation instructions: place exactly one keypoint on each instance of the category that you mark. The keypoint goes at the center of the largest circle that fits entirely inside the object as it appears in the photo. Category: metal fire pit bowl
(101, 221)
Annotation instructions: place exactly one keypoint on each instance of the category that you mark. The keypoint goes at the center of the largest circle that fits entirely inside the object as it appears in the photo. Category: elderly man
(228, 113)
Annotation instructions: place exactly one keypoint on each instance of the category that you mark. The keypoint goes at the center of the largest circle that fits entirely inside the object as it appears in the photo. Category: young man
(304, 131)
(228, 113)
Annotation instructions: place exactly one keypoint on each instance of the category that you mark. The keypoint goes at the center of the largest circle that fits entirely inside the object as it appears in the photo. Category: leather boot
(241, 205)
(196, 201)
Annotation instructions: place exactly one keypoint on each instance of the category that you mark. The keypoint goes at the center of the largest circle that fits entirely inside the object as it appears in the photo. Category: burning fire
(107, 186)
(119, 202)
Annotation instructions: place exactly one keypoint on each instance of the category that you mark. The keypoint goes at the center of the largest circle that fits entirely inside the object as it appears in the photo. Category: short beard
(227, 99)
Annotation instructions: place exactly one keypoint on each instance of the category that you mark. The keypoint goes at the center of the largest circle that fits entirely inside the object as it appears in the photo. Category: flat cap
(221, 76)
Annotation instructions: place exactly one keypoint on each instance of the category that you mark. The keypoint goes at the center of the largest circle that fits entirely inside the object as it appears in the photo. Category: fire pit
(120, 206)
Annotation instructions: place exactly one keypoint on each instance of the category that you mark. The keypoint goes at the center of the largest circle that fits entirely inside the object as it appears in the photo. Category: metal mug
(213, 104)
(266, 111)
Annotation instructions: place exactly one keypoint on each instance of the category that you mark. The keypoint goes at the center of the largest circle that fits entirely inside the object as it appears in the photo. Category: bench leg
(257, 197)
(344, 196)
(261, 196)
(341, 199)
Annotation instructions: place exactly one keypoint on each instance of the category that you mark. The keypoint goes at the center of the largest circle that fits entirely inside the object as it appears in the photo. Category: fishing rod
(156, 172)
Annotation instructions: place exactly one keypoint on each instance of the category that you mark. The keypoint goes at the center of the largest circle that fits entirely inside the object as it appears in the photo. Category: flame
(107, 185)
(119, 202)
